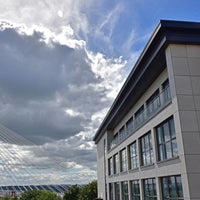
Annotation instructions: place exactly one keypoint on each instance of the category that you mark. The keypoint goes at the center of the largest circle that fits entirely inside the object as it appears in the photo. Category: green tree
(39, 195)
(6, 197)
(88, 192)
(72, 193)
(47, 195)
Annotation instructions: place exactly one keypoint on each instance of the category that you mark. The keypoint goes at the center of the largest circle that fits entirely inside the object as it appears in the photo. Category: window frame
(139, 116)
(125, 195)
(166, 90)
(163, 143)
(150, 192)
(130, 125)
(167, 188)
(117, 190)
(146, 140)
(122, 133)
(135, 189)
(153, 102)
(133, 157)
(111, 191)
(123, 160)
(110, 166)
(116, 163)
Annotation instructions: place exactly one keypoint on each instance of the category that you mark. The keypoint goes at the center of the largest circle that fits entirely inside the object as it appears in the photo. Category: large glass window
(125, 190)
(146, 150)
(117, 190)
(110, 166)
(122, 133)
(133, 156)
(172, 188)
(123, 160)
(129, 126)
(153, 103)
(111, 191)
(139, 116)
(166, 91)
(150, 189)
(115, 140)
(116, 163)
(135, 190)
(166, 139)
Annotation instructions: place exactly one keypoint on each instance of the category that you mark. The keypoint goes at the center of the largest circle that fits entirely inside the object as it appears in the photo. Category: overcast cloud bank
(55, 92)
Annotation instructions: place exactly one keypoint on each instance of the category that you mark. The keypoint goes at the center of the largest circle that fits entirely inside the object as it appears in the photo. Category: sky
(62, 63)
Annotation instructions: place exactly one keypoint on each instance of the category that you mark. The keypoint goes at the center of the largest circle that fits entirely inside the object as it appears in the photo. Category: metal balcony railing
(157, 104)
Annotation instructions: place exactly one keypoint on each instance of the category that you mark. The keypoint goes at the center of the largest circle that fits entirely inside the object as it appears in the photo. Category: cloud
(109, 21)
(54, 92)
(52, 14)
(66, 161)
(56, 85)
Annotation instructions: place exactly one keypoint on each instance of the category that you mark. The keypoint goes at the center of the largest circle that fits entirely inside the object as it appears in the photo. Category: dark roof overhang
(149, 65)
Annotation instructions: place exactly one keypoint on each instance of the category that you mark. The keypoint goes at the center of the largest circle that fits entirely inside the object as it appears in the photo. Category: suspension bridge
(19, 171)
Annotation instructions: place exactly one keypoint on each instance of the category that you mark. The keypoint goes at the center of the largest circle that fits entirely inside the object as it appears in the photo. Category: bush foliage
(75, 192)
(87, 192)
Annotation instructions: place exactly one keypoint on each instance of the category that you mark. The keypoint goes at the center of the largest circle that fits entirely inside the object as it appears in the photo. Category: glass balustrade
(156, 104)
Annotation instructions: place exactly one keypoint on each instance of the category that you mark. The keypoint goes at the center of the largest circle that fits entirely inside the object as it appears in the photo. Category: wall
(183, 63)
(101, 166)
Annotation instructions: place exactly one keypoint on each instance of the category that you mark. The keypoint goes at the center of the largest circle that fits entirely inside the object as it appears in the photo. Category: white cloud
(109, 20)
(72, 112)
(51, 14)
(60, 13)
(54, 89)
(108, 70)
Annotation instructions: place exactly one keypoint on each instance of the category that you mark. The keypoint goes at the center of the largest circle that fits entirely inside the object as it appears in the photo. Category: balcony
(153, 106)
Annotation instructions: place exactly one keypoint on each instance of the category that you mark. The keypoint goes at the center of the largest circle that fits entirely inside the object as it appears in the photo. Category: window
(111, 191)
(110, 166)
(129, 126)
(122, 133)
(115, 140)
(135, 190)
(166, 139)
(150, 189)
(172, 188)
(139, 116)
(117, 191)
(146, 150)
(116, 164)
(123, 160)
(125, 190)
(153, 103)
(133, 156)
(166, 91)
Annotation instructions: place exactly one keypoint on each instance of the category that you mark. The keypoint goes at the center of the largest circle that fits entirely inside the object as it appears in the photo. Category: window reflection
(172, 188)
(146, 150)
(166, 139)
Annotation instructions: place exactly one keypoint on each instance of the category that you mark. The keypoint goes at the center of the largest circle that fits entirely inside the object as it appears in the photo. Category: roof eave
(166, 32)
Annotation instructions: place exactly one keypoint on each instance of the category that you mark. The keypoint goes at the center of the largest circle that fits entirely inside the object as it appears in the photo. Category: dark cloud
(39, 81)
(53, 92)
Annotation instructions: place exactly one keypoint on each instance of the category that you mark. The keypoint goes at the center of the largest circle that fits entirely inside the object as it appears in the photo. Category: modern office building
(148, 145)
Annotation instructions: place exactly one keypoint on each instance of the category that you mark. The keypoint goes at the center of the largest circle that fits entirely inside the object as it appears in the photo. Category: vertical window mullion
(170, 184)
(166, 136)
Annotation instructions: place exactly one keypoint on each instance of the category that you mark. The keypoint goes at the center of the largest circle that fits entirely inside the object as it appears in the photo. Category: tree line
(75, 192)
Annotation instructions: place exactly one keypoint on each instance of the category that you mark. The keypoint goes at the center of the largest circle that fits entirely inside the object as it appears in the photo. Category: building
(148, 145)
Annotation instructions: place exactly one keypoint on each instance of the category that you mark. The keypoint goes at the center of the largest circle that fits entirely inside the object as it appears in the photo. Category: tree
(39, 195)
(72, 193)
(6, 197)
(88, 192)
